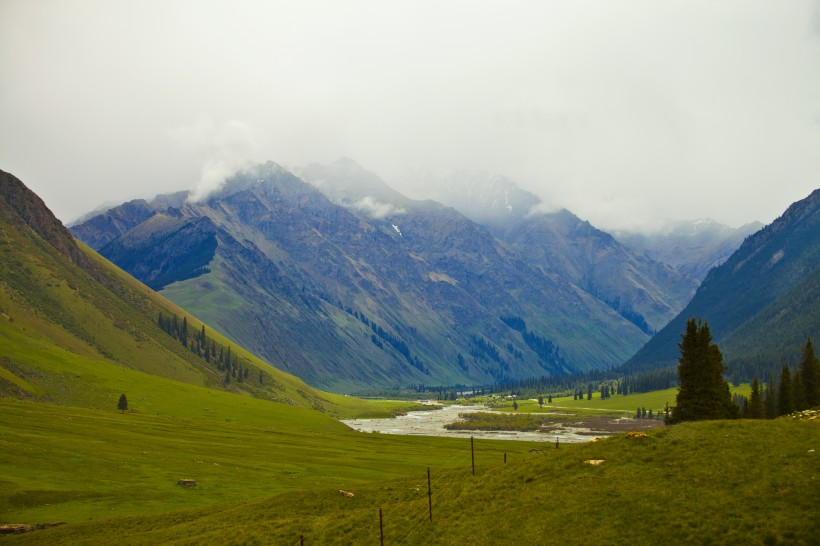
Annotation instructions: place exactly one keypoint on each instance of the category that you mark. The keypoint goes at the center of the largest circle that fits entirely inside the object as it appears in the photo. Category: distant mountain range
(692, 247)
(763, 302)
(349, 284)
(330, 274)
(647, 292)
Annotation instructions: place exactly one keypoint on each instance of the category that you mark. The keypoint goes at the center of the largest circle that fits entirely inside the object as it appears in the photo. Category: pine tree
(703, 393)
(183, 334)
(770, 403)
(755, 401)
(784, 392)
(541, 400)
(798, 392)
(122, 405)
(809, 368)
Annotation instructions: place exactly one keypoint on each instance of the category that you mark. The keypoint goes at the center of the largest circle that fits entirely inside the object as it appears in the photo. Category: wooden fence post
(472, 453)
(381, 527)
(429, 494)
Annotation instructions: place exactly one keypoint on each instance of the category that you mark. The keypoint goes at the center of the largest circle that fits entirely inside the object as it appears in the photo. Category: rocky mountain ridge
(346, 297)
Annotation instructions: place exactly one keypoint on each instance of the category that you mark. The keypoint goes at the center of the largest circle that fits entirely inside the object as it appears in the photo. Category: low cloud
(543, 208)
(221, 150)
(376, 209)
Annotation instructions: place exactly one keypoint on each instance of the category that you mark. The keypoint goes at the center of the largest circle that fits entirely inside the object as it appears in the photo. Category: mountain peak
(350, 185)
(21, 205)
(484, 197)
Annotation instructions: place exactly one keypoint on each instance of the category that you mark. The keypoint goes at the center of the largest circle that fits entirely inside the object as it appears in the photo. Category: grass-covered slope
(74, 329)
(731, 482)
(762, 302)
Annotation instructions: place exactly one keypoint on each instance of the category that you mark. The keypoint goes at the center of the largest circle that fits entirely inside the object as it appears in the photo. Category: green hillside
(72, 325)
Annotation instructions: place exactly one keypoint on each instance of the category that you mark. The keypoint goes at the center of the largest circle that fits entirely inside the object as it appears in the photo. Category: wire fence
(406, 519)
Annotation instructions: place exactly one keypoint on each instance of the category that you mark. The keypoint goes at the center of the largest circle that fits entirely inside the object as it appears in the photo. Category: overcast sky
(625, 112)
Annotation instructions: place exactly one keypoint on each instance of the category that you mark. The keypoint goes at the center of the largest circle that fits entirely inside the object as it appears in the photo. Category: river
(431, 423)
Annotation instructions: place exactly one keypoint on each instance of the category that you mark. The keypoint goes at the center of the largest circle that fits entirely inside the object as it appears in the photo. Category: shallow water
(431, 423)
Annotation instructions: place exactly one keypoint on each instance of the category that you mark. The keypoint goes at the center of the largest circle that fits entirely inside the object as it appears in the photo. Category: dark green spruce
(703, 393)
(809, 369)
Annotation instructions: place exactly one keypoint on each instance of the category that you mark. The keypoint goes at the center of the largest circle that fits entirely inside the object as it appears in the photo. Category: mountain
(486, 198)
(370, 291)
(76, 330)
(646, 292)
(762, 303)
(690, 247)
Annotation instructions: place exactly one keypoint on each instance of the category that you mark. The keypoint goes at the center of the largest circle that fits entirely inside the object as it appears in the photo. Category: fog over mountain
(626, 113)
(692, 247)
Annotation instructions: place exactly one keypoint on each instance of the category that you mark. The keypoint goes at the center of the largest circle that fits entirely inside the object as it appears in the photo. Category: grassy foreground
(739, 482)
(61, 463)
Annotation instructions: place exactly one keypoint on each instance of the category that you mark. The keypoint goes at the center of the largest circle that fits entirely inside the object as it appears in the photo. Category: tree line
(704, 393)
(199, 343)
(788, 393)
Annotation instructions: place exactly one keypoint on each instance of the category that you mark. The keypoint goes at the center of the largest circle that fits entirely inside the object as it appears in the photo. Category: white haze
(221, 150)
(626, 112)
(377, 209)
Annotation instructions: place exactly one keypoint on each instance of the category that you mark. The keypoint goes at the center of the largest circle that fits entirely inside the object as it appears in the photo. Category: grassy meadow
(731, 482)
(617, 404)
(75, 464)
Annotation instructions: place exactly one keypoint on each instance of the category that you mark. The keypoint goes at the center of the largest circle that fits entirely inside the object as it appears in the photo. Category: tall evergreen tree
(122, 405)
(809, 368)
(756, 410)
(183, 334)
(770, 403)
(798, 392)
(703, 393)
(784, 392)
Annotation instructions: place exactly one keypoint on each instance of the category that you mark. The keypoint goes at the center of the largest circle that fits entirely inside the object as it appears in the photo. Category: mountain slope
(689, 247)
(383, 291)
(645, 292)
(73, 327)
(760, 303)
